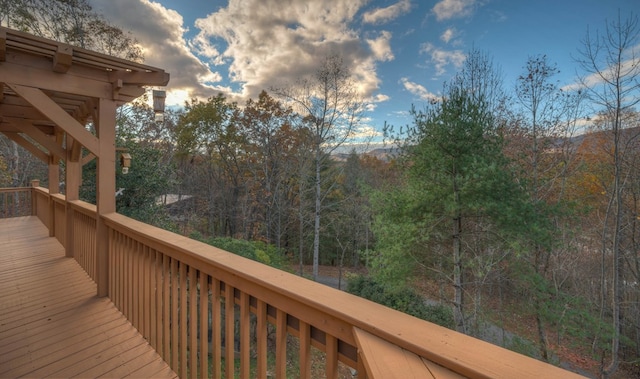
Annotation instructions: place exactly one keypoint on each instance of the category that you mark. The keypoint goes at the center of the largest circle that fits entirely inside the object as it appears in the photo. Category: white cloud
(381, 46)
(442, 58)
(382, 15)
(160, 32)
(448, 35)
(270, 45)
(448, 9)
(418, 90)
(372, 102)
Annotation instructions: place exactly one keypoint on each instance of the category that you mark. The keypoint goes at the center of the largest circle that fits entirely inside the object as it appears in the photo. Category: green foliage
(402, 299)
(254, 250)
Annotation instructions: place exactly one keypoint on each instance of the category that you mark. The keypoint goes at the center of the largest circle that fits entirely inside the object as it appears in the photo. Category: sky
(400, 52)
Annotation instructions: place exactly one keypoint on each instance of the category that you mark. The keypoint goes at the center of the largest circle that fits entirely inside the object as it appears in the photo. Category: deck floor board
(52, 324)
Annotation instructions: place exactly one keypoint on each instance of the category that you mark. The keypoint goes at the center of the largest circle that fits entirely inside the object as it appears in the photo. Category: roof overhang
(49, 88)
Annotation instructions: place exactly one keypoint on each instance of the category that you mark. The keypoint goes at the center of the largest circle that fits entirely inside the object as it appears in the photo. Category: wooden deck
(52, 324)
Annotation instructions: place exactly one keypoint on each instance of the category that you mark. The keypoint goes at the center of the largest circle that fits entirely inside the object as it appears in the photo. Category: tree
(458, 186)
(151, 171)
(612, 65)
(271, 147)
(212, 155)
(461, 212)
(70, 21)
(331, 109)
(545, 156)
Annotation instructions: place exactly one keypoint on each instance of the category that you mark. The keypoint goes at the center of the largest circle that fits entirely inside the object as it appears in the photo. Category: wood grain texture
(51, 321)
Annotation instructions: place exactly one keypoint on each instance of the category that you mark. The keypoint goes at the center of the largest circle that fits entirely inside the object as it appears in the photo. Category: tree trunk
(458, 298)
(316, 227)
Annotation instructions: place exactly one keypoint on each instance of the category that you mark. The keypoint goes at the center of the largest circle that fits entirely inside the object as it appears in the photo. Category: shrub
(404, 300)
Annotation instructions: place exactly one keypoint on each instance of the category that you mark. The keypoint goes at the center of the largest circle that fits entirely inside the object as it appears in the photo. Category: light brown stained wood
(262, 334)
(229, 308)
(332, 357)
(204, 325)
(305, 350)
(391, 361)
(216, 326)
(183, 321)
(245, 325)
(51, 321)
(193, 322)
(281, 344)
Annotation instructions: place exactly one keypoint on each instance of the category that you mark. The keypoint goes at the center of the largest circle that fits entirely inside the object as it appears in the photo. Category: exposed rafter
(48, 87)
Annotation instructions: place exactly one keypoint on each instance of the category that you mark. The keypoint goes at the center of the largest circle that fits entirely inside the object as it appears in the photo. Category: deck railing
(15, 202)
(208, 312)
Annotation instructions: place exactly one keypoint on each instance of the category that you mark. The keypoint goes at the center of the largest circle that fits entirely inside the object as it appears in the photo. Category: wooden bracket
(62, 59)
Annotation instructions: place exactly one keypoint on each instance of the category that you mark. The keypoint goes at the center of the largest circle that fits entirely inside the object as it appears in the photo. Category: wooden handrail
(15, 202)
(177, 291)
(323, 311)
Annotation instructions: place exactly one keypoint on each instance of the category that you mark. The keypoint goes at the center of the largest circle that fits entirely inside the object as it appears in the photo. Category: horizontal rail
(208, 312)
(155, 272)
(15, 202)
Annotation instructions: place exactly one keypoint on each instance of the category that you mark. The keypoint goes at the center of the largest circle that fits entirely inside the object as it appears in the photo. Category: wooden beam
(53, 112)
(140, 78)
(40, 137)
(3, 45)
(88, 158)
(44, 78)
(105, 188)
(62, 59)
(28, 145)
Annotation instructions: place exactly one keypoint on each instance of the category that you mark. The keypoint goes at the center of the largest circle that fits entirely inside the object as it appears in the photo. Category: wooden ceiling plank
(53, 112)
(20, 140)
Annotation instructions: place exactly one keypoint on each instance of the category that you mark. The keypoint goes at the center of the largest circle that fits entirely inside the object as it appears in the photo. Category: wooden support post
(105, 188)
(73, 175)
(54, 188)
(34, 198)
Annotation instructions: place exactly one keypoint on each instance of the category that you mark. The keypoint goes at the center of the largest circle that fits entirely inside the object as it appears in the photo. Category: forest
(508, 204)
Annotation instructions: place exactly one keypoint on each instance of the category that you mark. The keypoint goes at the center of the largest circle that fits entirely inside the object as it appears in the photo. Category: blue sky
(400, 51)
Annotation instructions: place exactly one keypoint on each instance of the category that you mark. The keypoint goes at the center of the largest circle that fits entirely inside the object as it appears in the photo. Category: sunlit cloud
(448, 35)
(381, 46)
(266, 45)
(418, 90)
(160, 32)
(443, 58)
(382, 15)
(448, 9)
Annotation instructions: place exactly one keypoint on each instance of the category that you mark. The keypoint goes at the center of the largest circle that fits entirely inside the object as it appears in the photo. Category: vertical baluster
(261, 339)
(174, 314)
(331, 367)
(305, 350)
(166, 307)
(245, 334)
(119, 271)
(130, 277)
(193, 322)
(216, 329)
(153, 302)
(204, 325)
(138, 301)
(281, 344)
(183, 320)
(113, 269)
(229, 334)
(146, 293)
